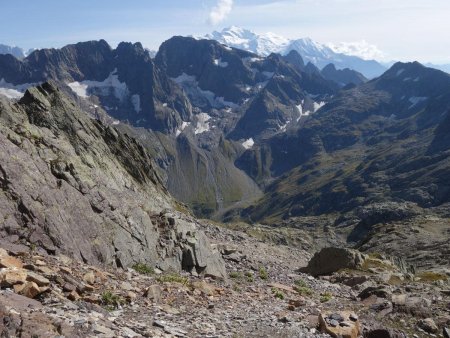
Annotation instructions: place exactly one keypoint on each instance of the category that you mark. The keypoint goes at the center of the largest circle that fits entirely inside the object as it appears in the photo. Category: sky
(403, 30)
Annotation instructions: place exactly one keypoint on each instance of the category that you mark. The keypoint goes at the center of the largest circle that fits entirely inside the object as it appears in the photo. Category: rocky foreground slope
(264, 295)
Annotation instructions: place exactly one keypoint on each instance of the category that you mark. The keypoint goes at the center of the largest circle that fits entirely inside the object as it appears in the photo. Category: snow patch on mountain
(136, 101)
(415, 100)
(202, 98)
(220, 63)
(248, 144)
(183, 126)
(202, 123)
(111, 85)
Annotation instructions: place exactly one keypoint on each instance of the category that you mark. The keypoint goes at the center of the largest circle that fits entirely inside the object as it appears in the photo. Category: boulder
(330, 260)
(428, 325)
(29, 289)
(379, 291)
(38, 279)
(344, 324)
(89, 278)
(384, 333)
(7, 261)
(154, 292)
(12, 276)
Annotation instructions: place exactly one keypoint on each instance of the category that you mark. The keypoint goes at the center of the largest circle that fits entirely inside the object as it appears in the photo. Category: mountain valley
(196, 185)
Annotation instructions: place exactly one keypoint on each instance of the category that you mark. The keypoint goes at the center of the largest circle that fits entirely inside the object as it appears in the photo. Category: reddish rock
(30, 290)
(343, 324)
(12, 276)
(10, 262)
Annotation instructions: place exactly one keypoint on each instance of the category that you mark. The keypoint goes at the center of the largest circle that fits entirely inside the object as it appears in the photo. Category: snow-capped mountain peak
(241, 38)
(342, 56)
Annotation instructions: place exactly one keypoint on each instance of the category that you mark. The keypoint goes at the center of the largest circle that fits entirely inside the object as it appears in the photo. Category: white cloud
(220, 11)
(362, 48)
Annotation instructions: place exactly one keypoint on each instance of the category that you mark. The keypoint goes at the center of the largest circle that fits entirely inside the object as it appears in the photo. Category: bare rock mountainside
(72, 185)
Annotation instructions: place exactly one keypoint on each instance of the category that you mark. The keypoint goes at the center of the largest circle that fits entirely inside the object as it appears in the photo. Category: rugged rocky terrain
(264, 295)
(95, 141)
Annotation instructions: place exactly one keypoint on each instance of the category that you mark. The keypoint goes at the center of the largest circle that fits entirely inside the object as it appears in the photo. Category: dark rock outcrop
(329, 260)
(343, 77)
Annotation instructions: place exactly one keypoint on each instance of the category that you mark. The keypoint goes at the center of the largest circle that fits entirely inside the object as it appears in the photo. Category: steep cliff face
(70, 184)
(124, 81)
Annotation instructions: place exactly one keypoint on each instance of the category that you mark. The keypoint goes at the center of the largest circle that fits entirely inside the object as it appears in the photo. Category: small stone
(353, 317)
(333, 322)
(153, 292)
(73, 296)
(158, 324)
(94, 299)
(30, 290)
(89, 278)
(39, 262)
(131, 295)
(69, 287)
(45, 270)
(210, 306)
(38, 279)
(126, 286)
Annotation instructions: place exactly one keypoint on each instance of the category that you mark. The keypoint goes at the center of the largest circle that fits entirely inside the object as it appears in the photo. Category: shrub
(173, 278)
(263, 273)
(326, 297)
(143, 269)
(235, 274)
(111, 300)
(277, 293)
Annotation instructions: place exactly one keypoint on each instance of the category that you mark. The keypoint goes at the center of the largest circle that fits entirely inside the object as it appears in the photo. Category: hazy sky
(401, 29)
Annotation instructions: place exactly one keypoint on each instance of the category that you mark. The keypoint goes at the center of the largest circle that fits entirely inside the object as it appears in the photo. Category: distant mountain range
(310, 50)
(317, 53)
(16, 51)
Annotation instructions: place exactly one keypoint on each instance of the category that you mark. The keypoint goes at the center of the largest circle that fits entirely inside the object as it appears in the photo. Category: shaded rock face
(72, 185)
(330, 260)
(382, 141)
(124, 80)
(342, 77)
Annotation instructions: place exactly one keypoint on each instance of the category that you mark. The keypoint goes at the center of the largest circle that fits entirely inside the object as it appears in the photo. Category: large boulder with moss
(330, 260)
